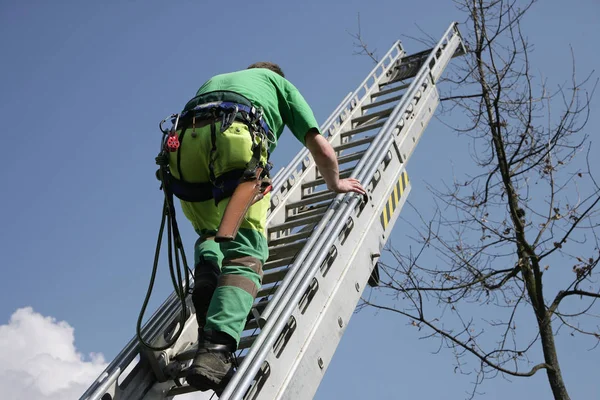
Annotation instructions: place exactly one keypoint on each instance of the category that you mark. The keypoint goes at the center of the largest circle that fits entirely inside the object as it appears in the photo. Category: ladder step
(179, 390)
(275, 276)
(286, 249)
(390, 90)
(312, 198)
(376, 115)
(315, 210)
(289, 238)
(354, 143)
(297, 223)
(246, 341)
(351, 157)
(320, 181)
(267, 290)
(279, 262)
(408, 67)
(251, 325)
(382, 102)
(363, 128)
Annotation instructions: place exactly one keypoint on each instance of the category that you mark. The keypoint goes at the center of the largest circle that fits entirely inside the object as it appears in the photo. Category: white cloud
(39, 361)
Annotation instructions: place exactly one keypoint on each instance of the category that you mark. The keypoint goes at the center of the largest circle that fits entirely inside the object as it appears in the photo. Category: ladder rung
(367, 117)
(304, 210)
(314, 198)
(296, 223)
(318, 209)
(351, 157)
(251, 325)
(275, 276)
(409, 66)
(321, 181)
(246, 341)
(390, 90)
(267, 291)
(289, 238)
(178, 390)
(286, 249)
(354, 143)
(363, 128)
(382, 102)
(278, 262)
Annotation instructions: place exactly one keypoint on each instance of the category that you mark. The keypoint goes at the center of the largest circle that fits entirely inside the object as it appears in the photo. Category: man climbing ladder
(218, 162)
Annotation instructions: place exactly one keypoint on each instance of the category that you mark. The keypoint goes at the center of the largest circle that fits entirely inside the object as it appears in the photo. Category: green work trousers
(233, 270)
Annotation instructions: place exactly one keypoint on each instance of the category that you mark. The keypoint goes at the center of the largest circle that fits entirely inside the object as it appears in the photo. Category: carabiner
(160, 125)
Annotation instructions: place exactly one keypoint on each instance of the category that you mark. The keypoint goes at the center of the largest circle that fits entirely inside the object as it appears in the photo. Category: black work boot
(212, 367)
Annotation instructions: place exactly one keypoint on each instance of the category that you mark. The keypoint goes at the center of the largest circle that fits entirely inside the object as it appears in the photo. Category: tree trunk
(549, 347)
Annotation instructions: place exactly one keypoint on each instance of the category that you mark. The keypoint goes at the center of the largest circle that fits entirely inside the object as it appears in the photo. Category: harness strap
(202, 191)
(213, 138)
(190, 191)
(224, 185)
(252, 113)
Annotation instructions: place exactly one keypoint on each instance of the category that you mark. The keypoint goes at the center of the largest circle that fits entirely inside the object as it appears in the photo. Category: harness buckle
(229, 118)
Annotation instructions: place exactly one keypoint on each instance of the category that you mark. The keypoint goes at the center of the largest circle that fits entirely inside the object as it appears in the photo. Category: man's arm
(326, 161)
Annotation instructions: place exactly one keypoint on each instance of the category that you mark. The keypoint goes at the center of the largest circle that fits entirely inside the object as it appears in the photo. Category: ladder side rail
(258, 352)
(293, 166)
(282, 200)
(452, 39)
(336, 311)
(306, 268)
(368, 159)
(380, 191)
(416, 94)
(331, 307)
(318, 230)
(284, 306)
(415, 88)
(424, 95)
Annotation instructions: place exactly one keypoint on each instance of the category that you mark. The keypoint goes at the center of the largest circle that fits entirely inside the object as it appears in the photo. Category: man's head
(268, 65)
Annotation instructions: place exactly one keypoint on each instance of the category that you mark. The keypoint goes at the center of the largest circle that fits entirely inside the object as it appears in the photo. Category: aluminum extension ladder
(323, 247)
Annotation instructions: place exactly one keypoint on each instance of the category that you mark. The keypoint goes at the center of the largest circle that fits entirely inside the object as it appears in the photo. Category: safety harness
(223, 186)
(245, 186)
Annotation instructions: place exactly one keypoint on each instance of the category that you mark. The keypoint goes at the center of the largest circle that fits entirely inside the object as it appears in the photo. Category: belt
(253, 114)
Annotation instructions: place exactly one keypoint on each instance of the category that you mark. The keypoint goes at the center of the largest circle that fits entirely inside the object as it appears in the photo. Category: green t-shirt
(281, 102)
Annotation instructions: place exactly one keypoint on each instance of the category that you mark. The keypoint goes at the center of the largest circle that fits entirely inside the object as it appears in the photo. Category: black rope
(175, 251)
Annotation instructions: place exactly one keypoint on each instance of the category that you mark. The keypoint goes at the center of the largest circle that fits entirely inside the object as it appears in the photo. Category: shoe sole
(200, 382)
(203, 384)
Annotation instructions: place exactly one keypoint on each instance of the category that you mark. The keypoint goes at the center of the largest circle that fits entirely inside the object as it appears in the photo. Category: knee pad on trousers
(206, 277)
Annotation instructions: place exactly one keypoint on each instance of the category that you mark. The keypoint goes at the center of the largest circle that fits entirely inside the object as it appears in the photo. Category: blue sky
(82, 88)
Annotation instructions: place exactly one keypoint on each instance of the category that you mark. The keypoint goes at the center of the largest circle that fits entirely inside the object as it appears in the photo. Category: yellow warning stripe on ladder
(393, 200)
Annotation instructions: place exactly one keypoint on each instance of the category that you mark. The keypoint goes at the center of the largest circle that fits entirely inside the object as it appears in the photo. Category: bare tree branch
(499, 235)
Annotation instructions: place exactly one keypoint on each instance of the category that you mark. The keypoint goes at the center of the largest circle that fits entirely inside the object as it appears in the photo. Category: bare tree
(507, 232)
